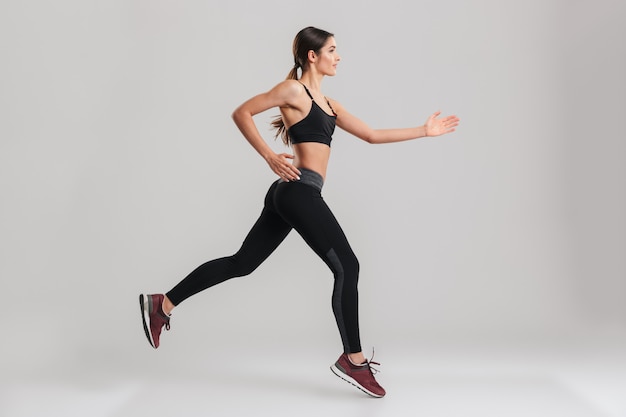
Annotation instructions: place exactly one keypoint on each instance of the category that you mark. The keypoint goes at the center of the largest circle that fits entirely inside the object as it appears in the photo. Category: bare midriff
(313, 156)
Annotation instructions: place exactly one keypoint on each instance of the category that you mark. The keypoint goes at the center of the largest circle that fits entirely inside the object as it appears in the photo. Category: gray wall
(121, 171)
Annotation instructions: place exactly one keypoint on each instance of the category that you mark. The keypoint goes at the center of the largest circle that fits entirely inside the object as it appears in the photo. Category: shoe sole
(144, 303)
(352, 381)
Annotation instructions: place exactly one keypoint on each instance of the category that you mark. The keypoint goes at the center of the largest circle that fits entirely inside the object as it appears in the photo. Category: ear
(311, 56)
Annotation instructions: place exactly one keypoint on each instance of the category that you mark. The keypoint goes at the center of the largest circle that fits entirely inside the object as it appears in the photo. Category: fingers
(447, 118)
(289, 174)
(451, 121)
(449, 124)
(291, 171)
(284, 169)
(436, 127)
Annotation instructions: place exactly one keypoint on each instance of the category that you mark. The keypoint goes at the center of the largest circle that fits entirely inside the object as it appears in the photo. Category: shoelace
(166, 318)
(371, 362)
(166, 321)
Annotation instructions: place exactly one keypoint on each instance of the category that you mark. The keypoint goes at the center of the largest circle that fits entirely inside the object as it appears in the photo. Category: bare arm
(358, 128)
(279, 96)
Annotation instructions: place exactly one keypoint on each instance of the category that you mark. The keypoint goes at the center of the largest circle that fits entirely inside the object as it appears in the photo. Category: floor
(580, 381)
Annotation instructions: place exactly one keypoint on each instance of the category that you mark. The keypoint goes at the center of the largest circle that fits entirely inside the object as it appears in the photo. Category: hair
(308, 39)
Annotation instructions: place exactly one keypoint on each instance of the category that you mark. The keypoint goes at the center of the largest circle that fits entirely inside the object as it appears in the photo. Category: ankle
(357, 358)
(167, 305)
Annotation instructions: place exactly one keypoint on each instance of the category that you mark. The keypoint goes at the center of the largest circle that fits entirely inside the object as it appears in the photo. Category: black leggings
(298, 205)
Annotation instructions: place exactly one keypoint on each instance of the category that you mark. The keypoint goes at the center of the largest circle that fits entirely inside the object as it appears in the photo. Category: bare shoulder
(288, 89)
(289, 93)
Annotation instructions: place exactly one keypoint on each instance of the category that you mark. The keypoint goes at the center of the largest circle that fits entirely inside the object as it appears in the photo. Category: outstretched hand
(436, 127)
(279, 163)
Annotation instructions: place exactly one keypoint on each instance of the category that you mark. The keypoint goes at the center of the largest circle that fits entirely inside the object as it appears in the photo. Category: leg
(303, 207)
(264, 237)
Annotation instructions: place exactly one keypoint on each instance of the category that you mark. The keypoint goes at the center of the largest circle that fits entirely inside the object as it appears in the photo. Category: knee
(240, 268)
(345, 267)
(351, 269)
(351, 265)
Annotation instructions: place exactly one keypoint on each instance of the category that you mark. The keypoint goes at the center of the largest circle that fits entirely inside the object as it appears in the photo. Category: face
(328, 58)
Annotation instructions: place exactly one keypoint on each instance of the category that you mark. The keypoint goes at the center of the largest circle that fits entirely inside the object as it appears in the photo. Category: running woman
(294, 201)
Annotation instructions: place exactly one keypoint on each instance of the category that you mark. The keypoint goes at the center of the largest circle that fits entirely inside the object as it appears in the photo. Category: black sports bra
(317, 126)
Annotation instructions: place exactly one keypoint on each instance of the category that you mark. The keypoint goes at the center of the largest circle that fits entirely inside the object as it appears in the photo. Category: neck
(312, 80)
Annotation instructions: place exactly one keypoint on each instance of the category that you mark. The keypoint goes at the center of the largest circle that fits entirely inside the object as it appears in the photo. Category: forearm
(378, 136)
(248, 129)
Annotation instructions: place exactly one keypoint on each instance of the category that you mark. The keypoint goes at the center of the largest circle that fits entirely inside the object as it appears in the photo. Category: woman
(294, 201)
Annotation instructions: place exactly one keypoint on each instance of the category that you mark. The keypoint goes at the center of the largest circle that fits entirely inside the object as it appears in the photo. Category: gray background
(121, 171)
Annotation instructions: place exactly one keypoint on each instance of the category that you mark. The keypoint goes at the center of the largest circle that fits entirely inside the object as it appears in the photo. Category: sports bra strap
(331, 107)
(309, 94)
(307, 90)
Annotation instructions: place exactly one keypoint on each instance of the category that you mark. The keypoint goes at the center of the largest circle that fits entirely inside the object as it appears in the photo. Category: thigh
(306, 211)
(266, 234)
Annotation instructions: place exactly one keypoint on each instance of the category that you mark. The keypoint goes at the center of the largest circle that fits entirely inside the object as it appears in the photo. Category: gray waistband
(309, 177)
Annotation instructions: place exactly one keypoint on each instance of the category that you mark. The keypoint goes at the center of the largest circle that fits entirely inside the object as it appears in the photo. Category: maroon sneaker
(153, 317)
(361, 376)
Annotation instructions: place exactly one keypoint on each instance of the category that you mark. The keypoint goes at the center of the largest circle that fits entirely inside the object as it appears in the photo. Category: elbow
(370, 138)
(236, 115)
(239, 115)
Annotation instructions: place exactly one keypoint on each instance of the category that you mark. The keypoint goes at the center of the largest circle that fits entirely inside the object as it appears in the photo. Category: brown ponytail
(308, 39)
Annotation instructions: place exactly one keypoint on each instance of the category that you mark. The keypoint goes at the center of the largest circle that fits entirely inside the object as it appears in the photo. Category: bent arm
(360, 129)
(243, 118)
(279, 96)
